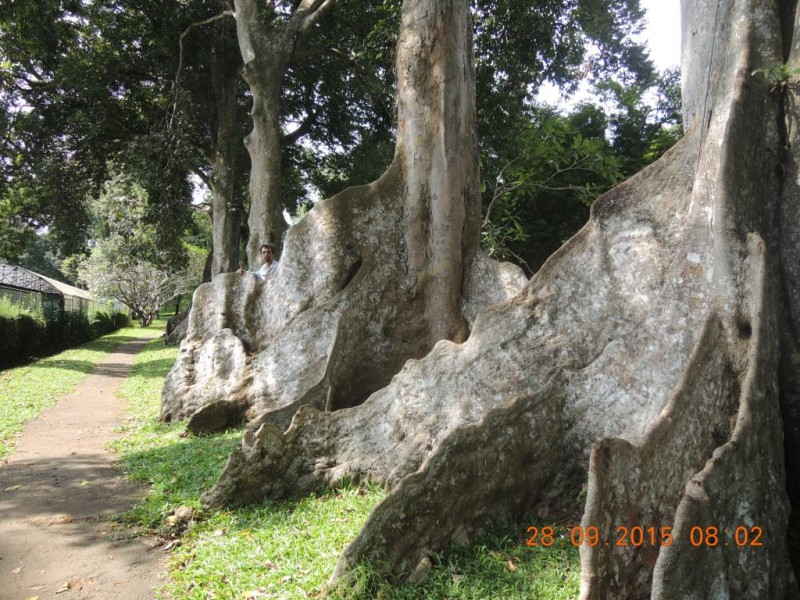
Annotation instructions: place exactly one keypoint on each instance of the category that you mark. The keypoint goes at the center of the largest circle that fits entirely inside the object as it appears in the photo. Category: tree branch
(222, 15)
(309, 11)
(306, 125)
(368, 82)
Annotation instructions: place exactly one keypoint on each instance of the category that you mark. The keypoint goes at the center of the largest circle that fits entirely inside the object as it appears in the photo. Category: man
(270, 264)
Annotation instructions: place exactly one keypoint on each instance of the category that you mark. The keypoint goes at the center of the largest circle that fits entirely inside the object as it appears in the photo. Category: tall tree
(268, 42)
(659, 343)
(209, 111)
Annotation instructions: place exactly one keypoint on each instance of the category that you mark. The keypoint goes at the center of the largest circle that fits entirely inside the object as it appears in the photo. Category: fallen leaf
(286, 579)
(512, 567)
(219, 532)
(13, 488)
(270, 565)
(456, 577)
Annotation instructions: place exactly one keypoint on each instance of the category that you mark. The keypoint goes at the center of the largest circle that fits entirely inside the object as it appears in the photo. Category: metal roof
(23, 279)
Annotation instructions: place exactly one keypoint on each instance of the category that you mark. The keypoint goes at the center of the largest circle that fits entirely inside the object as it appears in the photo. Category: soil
(58, 492)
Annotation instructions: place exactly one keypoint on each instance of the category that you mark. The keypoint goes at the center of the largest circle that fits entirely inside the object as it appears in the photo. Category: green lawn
(29, 389)
(288, 549)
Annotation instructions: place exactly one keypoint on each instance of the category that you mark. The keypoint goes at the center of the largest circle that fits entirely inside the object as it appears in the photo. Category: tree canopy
(135, 82)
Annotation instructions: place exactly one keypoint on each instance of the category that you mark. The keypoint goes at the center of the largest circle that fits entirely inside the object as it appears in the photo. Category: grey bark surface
(227, 211)
(648, 347)
(266, 51)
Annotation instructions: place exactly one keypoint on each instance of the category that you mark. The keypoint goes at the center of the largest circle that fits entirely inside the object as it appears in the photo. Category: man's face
(266, 255)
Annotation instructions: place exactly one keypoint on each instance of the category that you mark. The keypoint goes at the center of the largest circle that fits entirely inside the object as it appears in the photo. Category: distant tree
(38, 256)
(126, 262)
(140, 285)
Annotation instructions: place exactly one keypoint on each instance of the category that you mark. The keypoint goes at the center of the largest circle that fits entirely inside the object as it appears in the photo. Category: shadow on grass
(83, 366)
(178, 471)
(123, 344)
(311, 531)
(155, 369)
(181, 470)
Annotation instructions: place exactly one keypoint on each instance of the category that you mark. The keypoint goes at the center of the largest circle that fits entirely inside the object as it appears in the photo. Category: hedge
(23, 337)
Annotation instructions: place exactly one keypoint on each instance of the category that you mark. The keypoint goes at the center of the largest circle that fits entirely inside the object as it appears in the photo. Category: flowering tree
(139, 284)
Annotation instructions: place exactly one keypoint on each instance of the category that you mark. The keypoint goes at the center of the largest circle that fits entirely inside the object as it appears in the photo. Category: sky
(662, 33)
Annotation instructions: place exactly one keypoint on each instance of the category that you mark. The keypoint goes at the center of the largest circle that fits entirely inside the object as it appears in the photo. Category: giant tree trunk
(369, 279)
(647, 347)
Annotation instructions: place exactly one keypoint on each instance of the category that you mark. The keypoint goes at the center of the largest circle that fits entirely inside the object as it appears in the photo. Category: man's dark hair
(270, 246)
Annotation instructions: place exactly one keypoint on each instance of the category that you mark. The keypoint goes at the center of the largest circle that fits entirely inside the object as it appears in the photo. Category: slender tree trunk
(227, 208)
(436, 116)
(266, 52)
(264, 75)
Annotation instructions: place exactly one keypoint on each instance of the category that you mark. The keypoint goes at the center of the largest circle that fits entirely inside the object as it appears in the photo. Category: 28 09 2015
(710, 536)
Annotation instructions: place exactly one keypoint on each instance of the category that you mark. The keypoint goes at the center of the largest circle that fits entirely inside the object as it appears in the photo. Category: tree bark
(266, 52)
(649, 346)
(369, 279)
(227, 209)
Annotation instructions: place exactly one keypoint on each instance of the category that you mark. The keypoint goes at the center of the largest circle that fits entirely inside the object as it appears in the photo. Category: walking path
(56, 493)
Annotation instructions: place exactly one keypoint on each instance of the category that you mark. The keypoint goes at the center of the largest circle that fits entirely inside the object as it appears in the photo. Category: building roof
(23, 279)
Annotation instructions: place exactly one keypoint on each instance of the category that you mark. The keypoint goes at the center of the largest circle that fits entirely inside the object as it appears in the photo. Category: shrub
(26, 335)
(121, 320)
(102, 323)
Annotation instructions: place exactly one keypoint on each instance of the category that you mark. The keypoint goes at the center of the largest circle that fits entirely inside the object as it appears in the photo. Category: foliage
(550, 167)
(129, 262)
(37, 255)
(289, 548)
(30, 389)
(85, 82)
(29, 332)
(641, 131)
(563, 164)
(778, 76)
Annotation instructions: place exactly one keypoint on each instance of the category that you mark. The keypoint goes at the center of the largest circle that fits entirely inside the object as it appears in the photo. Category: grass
(288, 549)
(30, 389)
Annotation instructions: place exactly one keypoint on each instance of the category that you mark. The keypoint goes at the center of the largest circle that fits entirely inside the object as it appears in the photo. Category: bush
(121, 320)
(25, 335)
(9, 334)
(32, 336)
(102, 323)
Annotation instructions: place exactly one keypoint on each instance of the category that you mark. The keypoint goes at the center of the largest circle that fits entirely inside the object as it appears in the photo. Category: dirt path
(56, 492)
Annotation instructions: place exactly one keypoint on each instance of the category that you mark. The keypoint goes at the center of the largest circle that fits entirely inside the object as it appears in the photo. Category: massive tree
(658, 346)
